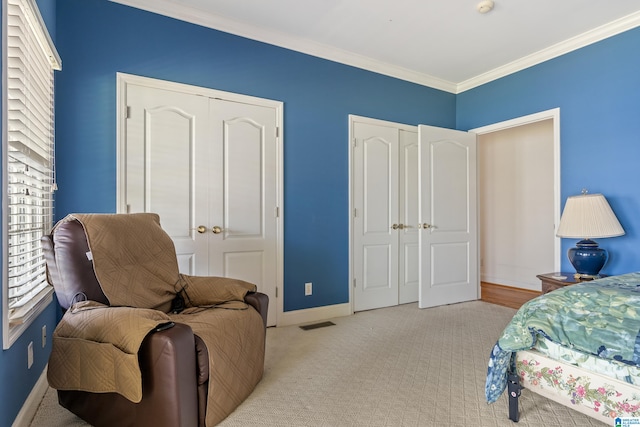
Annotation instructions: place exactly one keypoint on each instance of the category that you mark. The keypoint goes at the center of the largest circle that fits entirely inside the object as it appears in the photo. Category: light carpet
(397, 366)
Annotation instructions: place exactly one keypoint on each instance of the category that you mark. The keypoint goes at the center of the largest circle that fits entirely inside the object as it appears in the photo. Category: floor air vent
(316, 325)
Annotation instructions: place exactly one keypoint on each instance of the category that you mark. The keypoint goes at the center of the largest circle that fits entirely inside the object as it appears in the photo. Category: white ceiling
(445, 44)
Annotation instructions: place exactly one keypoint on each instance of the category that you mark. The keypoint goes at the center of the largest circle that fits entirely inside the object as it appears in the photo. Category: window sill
(21, 319)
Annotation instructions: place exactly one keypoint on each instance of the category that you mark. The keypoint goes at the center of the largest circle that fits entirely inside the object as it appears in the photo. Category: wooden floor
(506, 295)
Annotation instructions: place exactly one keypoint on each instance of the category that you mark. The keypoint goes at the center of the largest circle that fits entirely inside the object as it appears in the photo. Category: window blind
(30, 62)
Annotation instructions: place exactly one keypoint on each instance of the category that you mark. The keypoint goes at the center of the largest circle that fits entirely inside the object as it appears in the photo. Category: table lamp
(585, 217)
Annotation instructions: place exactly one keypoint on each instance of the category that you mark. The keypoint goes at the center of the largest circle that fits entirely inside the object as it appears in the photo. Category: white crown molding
(308, 47)
(312, 48)
(593, 36)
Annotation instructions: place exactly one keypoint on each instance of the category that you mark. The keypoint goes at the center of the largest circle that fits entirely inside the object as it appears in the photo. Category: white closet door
(408, 255)
(448, 215)
(167, 167)
(375, 224)
(243, 183)
(209, 168)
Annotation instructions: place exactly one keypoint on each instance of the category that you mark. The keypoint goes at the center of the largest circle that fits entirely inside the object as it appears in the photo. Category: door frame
(123, 79)
(352, 120)
(554, 115)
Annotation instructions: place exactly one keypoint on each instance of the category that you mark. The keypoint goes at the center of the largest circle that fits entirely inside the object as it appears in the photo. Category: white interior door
(209, 168)
(384, 226)
(408, 255)
(448, 215)
(376, 218)
(243, 190)
(167, 167)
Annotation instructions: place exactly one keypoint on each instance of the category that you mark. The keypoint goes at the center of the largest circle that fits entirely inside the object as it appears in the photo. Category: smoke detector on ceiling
(485, 6)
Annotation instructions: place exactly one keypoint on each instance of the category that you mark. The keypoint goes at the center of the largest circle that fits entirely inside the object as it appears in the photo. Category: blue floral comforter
(601, 317)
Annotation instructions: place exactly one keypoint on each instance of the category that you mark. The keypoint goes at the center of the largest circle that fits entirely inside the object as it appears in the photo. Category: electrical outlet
(44, 336)
(308, 289)
(30, 355)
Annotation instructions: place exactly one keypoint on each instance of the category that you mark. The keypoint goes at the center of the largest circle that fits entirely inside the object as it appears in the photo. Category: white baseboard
(315, 314)
(30, 406)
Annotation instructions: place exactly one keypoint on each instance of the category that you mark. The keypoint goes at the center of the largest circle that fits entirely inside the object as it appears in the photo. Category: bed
(579, 346)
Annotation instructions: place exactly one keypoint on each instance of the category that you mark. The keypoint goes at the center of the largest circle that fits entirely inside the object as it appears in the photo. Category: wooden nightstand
(553, 281)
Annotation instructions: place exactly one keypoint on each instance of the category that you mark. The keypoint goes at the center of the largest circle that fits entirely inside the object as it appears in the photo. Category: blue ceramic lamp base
(588, 259)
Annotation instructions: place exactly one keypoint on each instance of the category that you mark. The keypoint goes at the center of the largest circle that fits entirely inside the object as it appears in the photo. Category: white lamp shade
(588, 216)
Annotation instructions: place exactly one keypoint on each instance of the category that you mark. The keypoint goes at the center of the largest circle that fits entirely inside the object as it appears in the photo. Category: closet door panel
(166, 167)
(375, 249)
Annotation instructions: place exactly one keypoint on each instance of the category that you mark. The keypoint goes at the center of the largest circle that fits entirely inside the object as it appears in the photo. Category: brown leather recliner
(173, 362)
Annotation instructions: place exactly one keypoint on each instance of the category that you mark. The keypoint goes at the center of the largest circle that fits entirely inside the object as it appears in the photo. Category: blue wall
(16, 380)
(97, 38)
(598, 91)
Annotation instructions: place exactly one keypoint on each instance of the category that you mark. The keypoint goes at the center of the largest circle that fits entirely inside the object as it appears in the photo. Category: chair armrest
(169, 386)
(260, 302)
(169, 377)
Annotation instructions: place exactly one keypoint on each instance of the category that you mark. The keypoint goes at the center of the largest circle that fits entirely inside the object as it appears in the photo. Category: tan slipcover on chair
(120, 355)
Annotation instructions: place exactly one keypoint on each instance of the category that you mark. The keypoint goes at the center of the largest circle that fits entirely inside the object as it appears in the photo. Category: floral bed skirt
(592, 394)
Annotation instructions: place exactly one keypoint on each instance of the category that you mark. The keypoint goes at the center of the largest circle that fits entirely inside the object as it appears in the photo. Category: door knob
(401, 226)
(395, 226)
(425, 226)
(216, 230)
(201, 229)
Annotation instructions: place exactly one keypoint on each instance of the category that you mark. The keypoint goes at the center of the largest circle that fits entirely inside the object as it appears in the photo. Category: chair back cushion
(69, 268)
(132, 260)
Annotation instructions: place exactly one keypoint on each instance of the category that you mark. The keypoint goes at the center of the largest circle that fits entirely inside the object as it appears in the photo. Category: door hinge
(128, 112)
(355, 213)
(355, 142)
(277, 132)
(354, 282)
(276, 292)
(277, 212)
